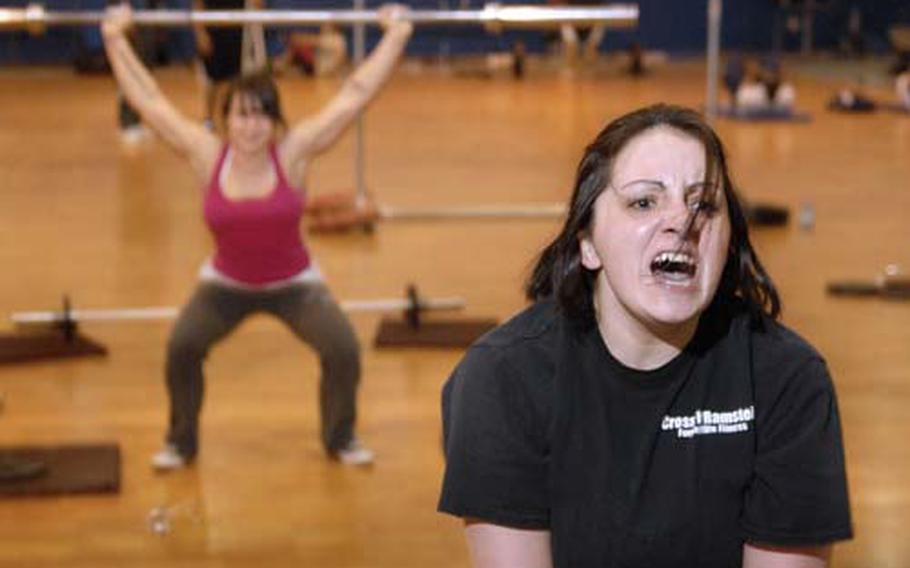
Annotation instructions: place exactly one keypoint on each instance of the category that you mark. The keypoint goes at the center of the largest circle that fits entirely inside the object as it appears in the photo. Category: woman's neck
(250, 161)
(638, 344)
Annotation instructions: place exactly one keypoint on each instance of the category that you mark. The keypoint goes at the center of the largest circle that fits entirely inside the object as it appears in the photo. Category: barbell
(36, 19)
(412, 302)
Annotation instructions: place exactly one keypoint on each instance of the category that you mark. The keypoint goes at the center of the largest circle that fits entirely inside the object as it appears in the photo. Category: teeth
(676, 257)
(673, 265)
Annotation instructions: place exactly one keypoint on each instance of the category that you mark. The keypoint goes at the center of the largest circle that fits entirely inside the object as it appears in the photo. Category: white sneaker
(133, 135)
(169, 459)
(354, 454)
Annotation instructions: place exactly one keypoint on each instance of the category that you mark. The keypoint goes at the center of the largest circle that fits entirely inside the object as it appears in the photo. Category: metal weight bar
(383, 305)
(36, 18)
(359, 51)
(715, 9)
(554, 211)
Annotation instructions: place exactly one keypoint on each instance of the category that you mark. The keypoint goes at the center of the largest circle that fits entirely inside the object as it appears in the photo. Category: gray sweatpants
(311, 313)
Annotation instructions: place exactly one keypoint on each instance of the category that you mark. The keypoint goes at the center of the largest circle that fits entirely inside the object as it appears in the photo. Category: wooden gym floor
(120, 227)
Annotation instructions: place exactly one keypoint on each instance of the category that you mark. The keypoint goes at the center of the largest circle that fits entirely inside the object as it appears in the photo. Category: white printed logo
(704, 422)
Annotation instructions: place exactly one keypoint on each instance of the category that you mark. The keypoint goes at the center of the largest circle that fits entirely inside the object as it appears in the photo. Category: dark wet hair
(258, 87)
(559, 273)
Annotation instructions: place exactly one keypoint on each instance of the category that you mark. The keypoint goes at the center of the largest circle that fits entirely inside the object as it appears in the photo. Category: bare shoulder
(204, 154)
(293, 156)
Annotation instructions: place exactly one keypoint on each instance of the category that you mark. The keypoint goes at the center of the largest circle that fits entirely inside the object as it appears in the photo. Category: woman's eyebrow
(657, 183)
(698, 185)
(705, 190)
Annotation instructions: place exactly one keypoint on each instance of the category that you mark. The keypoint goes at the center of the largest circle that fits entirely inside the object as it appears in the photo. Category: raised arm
(495, 546)
(317, 134)
(186, 137)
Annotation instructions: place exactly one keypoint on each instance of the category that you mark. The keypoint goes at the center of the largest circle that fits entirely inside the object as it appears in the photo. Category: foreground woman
(647, 410)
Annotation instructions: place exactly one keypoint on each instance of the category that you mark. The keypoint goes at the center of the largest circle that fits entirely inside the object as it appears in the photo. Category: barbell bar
(381, 305)
(550, 211)
(35, 18)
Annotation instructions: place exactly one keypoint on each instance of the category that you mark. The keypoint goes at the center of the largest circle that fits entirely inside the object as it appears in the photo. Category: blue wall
(677, 26)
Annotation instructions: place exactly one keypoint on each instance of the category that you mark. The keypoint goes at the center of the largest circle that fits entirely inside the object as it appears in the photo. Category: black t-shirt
(735, 440)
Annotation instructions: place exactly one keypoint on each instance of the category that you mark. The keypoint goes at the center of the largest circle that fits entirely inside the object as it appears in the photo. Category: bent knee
(185, 346)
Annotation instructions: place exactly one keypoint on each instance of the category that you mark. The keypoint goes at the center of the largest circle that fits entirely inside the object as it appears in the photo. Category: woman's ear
(590, 259)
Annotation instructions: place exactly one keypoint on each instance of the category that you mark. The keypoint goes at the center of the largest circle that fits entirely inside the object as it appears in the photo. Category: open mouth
(674, 266)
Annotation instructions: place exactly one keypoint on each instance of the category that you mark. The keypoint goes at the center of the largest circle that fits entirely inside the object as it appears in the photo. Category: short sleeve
(798, 493)
(495, 444)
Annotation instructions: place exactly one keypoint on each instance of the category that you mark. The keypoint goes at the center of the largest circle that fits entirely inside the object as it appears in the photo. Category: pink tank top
(257, 240)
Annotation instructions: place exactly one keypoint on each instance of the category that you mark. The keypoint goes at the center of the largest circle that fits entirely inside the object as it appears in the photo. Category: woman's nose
(677, 217)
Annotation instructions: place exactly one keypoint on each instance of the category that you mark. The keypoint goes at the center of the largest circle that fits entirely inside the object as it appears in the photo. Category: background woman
(253, 202)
